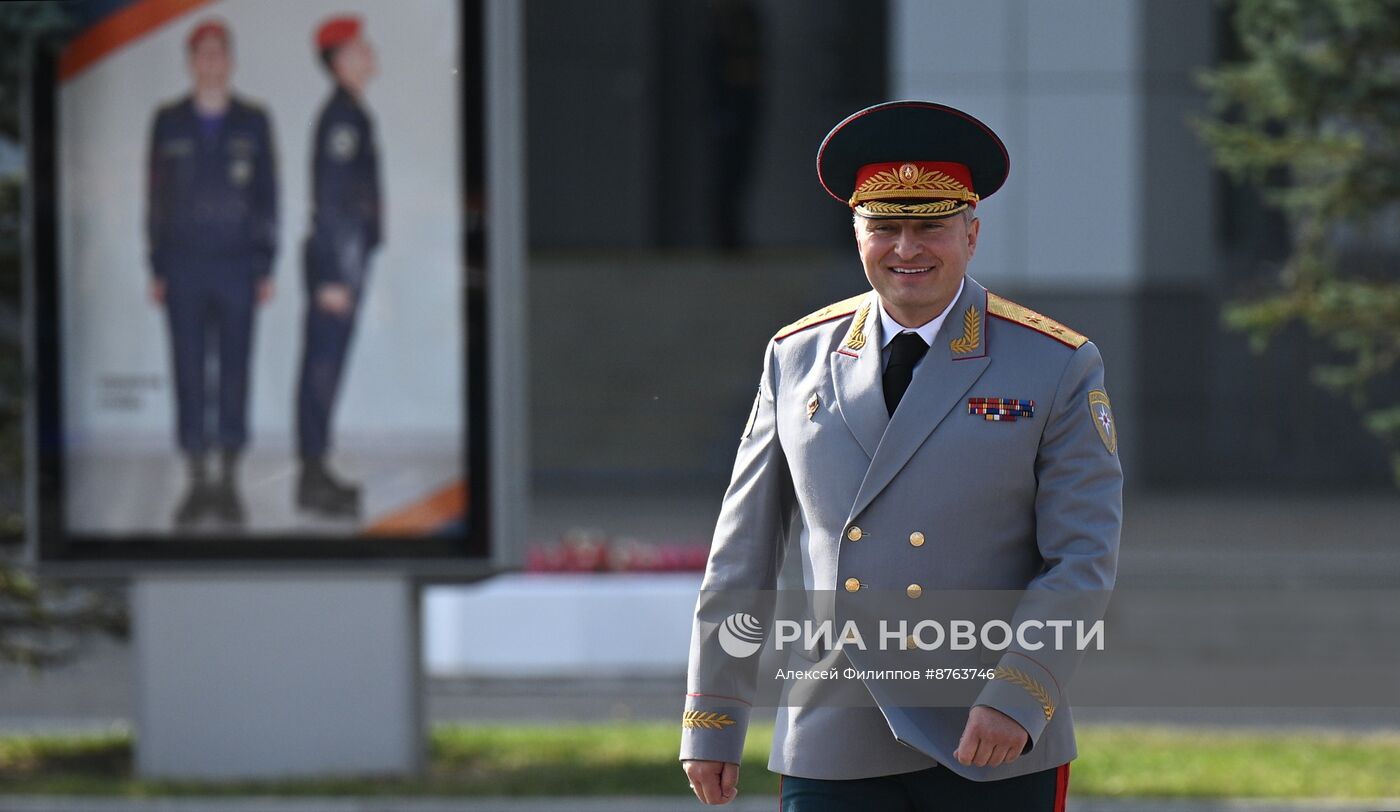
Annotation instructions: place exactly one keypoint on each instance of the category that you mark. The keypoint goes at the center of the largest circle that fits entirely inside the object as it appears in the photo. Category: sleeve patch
(1101, 411)
(343, 142)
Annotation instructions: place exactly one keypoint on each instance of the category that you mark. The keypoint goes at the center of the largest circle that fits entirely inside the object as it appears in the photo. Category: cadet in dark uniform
(212, 231)
(345, 230)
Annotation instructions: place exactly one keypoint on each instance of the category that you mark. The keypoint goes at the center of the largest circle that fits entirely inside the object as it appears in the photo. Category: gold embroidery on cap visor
(911, 191)
(938, 208)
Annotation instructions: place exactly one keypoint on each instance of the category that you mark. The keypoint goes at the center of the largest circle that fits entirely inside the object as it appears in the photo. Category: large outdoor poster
(260, 269)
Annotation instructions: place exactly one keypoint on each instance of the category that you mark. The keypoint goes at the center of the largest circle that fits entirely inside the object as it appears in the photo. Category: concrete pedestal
(276, 675)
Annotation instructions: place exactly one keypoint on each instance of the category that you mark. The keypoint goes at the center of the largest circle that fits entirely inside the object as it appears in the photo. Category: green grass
(640, 759)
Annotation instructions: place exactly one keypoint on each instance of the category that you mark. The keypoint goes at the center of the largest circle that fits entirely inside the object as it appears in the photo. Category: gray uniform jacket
(935, 497)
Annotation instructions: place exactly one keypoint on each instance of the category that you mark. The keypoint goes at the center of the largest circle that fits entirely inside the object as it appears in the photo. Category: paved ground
(1347, 547)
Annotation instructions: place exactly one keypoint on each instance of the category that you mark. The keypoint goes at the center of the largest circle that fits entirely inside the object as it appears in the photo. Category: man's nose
(905, 246)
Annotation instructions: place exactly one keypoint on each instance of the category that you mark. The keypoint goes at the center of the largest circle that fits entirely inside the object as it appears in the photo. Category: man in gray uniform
(922, 437)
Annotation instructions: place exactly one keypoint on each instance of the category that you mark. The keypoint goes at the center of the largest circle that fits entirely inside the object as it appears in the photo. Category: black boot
(227, 504)
(319, 492)
(198, 495)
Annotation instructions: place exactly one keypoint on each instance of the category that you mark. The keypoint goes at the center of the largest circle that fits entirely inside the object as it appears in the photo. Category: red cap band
(914, 180)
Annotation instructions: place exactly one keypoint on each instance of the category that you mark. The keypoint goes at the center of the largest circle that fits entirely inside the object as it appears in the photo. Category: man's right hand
(714, 782)
(157, 291)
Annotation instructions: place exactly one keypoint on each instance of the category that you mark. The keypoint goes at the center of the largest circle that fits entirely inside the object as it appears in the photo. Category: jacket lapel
(956, 359)
(855, 377)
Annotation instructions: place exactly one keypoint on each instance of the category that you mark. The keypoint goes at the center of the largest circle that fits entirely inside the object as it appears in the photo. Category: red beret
(337, 31)
(208, 28)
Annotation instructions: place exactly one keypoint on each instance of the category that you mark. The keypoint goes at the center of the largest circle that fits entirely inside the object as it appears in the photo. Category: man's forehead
(208, 45)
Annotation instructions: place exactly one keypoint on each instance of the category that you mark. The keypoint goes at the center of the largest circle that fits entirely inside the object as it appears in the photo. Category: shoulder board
(845, 307)
(1024, 316)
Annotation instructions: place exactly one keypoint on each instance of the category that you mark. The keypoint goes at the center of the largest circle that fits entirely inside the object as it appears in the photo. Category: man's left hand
(990, 739)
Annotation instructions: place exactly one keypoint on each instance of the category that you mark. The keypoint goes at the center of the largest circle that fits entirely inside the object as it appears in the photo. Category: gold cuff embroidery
(708, 720)
(1035, 689)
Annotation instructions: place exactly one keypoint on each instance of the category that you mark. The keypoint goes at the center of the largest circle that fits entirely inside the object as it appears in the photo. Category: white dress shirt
(889, 328)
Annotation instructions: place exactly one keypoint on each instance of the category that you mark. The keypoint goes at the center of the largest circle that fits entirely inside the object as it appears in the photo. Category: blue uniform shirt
(345, 221)
(212, 188)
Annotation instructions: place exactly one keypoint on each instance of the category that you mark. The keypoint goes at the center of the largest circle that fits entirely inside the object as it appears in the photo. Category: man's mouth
(910, 270)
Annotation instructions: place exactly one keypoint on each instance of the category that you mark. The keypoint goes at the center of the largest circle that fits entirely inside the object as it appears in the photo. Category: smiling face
(916, 264)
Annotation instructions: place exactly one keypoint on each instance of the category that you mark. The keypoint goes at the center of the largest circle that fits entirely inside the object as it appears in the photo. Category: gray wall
(1113, 221)
(619, 114)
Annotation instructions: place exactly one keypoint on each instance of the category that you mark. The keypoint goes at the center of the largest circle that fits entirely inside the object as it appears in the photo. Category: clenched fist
(990, 739)
(714, 782)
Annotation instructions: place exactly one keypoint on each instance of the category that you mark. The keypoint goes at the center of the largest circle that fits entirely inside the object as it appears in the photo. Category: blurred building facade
(675, 223)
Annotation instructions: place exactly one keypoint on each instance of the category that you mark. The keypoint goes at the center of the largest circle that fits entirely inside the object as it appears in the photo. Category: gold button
(852, 584)
(854, 534)
(916, 538)
(914, 590)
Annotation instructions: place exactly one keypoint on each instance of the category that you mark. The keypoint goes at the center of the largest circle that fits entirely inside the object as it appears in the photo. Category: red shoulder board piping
(1024, 316)
(845, 307)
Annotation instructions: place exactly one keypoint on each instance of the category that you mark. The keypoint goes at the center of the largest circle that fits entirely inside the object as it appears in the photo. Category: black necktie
(905, 351)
